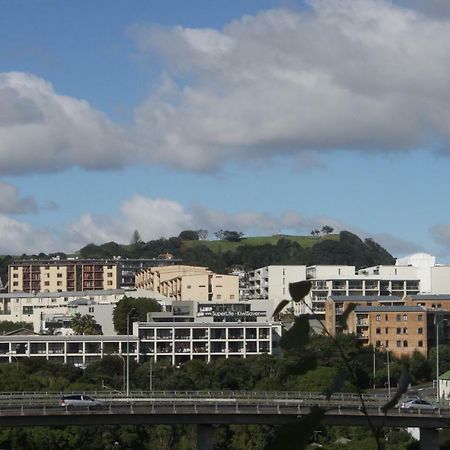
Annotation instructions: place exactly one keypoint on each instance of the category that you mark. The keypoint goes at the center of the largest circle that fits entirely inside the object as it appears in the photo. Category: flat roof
(430, 296)
(104, 292)
(398, 308)
(365, 298)
(71, 338)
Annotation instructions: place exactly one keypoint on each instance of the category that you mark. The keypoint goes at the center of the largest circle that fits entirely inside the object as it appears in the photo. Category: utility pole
(437, 357)
(128, 351)
(388, 375)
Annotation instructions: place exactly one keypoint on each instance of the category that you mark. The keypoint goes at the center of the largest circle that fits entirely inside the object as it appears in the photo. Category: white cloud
(12, 203)
(42, 131)
(355, 74)
(19, 237)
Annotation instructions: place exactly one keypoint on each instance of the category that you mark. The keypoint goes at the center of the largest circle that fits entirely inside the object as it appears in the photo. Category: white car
(417, 404)
(79, 401)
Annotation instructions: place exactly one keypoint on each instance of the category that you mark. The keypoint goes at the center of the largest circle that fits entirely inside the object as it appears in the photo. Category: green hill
(222, 246)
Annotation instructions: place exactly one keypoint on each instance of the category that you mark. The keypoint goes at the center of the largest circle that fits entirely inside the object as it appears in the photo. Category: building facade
(189, 283)
(62, 275)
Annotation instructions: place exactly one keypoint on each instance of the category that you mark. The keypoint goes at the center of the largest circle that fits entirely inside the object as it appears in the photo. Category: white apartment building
(22, 306)
(272, 283)
(344, 280)
(161, 341)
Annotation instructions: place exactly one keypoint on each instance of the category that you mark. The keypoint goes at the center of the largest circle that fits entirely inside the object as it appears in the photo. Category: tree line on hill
(349, 249)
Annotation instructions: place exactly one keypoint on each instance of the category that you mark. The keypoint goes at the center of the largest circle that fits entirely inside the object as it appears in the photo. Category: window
(378, 344)
(420, 330)
(433, 306)
(91, 309)
(439, 305)
(15, 275)
(419, 317)
(59, 283)
(46, 283)
(399, 331)
(399, 343)
(405, 330)
(59, 275)
(387, 344)
(405, 317)
(188, 286)
(378, 330)
(378, 318)
(387, 330)
(27, 310)
(219, 297)
(398, 317)
(15, 283)
(405, 343)
(109, 283)
(109, 274)
(231, 297)
(386, 317)
(420, 344)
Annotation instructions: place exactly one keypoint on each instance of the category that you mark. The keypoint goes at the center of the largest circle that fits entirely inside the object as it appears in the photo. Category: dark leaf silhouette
(344, 316)
(337, 384)
(280, 307)
(299, 290)
(296, 435)
(401, 389)
(297, 336)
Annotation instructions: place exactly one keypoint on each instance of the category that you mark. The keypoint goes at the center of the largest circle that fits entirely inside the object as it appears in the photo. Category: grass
(221, 246)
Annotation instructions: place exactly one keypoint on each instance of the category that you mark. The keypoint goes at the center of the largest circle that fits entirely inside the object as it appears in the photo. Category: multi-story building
(173, 342)
(23, 306)
(343, 280)
(128, 268)
(62, 275)
(398, 329)
(189, 283)
(335, 306)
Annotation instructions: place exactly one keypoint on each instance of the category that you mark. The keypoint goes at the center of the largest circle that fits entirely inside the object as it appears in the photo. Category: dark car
(79, 401)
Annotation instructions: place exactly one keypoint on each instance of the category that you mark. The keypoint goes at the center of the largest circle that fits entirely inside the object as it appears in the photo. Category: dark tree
(327, 229)
(140, 306)
(189, 235)
(232, 236)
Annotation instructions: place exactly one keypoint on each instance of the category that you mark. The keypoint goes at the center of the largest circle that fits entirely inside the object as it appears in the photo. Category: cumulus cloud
(18, 237)
(12, 203)
(349, 74)
(42, 131)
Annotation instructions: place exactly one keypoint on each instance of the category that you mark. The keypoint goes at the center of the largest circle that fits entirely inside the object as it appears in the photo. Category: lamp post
(388, 375)
(128, 351)
(437, 357)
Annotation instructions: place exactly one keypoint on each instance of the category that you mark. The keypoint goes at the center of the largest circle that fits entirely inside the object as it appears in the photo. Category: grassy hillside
(223, 246)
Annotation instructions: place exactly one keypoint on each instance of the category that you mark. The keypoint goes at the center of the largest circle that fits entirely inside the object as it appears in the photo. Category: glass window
(405, 317)
(398, 317)
(378, 317)
(420, 343)
(378, 331)
(419, 317)
(420, 330)
(405, 343)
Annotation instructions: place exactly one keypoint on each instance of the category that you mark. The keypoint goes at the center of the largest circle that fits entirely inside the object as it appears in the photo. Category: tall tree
(139, 306)
(136, 238)
(84, 324)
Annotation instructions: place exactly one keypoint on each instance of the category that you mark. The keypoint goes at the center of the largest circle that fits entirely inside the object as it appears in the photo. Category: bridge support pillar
(429, 439)
(205, 437)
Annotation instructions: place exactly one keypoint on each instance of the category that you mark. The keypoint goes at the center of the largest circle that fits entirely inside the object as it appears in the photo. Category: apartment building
(62, 275)
(171, 342)
(398, 329)
(151, 277)
(189, 283)
(336, 305)
(23, 306)
(330, 281)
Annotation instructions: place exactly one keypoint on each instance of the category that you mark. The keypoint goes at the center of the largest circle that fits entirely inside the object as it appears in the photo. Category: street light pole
(128, 351)
(151, 373)
(437, 358)
(374, 367)
(388, 375)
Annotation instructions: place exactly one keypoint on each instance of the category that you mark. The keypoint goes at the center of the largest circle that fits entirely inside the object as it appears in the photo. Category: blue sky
(262, 116)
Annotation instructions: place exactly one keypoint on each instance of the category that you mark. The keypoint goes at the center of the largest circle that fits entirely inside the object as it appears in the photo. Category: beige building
(189, 283)
(61, 275)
